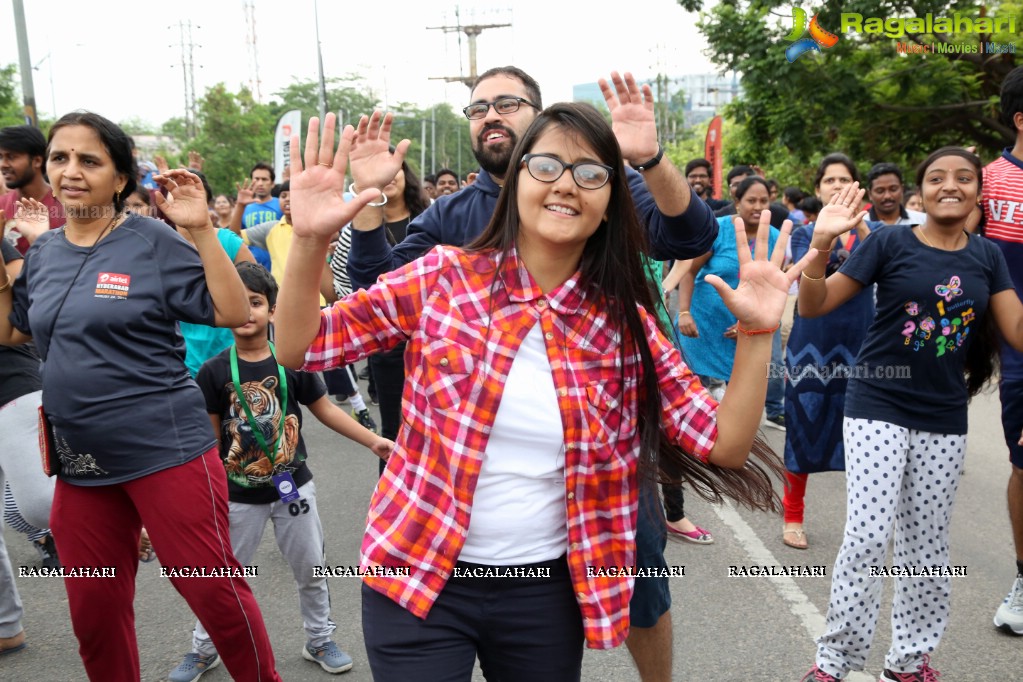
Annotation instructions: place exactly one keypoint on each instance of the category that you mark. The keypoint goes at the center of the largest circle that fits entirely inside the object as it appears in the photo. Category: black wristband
(652, 162)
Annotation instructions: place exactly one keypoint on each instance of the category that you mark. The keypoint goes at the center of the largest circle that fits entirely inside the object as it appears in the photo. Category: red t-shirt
(8, 204)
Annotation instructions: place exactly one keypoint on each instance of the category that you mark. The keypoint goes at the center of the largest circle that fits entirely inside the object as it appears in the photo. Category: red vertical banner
(712, 152)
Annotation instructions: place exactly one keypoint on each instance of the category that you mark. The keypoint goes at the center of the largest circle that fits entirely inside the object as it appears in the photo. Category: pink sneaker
(925, 674)
(818, 675)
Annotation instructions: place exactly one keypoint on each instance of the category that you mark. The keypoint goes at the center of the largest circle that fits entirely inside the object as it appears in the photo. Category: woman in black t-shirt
(941, 293)
(128, 423)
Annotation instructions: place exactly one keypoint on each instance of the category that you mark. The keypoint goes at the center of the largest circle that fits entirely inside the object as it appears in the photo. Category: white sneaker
(1009, 616)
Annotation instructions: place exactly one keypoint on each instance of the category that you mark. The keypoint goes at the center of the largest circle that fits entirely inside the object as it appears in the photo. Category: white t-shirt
(518, 508)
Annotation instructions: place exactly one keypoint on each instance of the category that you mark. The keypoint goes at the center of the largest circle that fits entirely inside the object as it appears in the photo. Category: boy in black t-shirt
(264, 454)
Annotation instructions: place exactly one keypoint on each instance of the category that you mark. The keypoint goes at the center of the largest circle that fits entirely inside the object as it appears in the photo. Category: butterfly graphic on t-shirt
(950, 290)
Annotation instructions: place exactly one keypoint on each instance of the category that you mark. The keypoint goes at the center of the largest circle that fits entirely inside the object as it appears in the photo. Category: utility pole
(250, 23)
(661, 91)
(188, 75)
(25, 63)
(472, 31)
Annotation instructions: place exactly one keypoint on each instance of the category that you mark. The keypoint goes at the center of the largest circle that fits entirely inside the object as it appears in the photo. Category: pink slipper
(698, 535)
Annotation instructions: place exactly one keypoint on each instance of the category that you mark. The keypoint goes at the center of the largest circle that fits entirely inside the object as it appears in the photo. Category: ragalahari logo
(819, 37)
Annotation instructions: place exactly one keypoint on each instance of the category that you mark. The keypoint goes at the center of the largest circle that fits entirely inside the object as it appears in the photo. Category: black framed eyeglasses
(503, 106)
(548, 168)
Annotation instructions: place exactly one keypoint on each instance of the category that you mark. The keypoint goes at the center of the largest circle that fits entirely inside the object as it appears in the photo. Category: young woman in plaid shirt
(539, 384)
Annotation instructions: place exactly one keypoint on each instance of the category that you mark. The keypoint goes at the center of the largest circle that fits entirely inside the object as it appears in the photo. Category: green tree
(176, 128)
(137, 126)
(234, 132)
(348, 97)
(351, 97)
(688, 144)
(446, 144)
(11, 110)
(859, 96)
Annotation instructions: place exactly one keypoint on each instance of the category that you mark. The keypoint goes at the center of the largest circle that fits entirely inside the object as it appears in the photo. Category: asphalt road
(725, 628)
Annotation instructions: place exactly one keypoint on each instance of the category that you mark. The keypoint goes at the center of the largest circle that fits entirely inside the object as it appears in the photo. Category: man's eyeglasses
(503, 106)
(587, 174)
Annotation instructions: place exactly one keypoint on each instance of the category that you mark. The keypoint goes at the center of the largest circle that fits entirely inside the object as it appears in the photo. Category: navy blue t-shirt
(910, 370)
(249, 470)
(115, 385)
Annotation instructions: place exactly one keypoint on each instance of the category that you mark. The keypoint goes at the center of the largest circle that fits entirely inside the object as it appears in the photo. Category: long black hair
(613, 277)
(415, 201)
(982, 353)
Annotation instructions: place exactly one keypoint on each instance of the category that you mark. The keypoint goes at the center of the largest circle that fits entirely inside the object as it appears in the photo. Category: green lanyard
(248, 411)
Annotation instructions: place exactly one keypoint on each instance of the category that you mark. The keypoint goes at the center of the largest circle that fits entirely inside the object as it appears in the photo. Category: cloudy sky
(84, 62)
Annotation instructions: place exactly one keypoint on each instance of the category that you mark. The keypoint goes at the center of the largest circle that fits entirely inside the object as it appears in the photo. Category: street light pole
(53, 95)
(319, 61)
(25, 63)
(422, 150)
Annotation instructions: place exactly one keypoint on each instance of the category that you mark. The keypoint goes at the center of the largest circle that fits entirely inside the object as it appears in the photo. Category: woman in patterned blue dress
(818, 358)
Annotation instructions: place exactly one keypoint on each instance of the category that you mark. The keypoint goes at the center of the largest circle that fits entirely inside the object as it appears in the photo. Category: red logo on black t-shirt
(112, 285)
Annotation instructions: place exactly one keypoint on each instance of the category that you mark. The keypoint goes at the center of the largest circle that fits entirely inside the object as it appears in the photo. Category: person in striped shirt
(1002, 203)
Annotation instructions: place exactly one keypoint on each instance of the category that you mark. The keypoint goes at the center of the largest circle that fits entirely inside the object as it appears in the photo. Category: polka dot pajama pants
(900, 480)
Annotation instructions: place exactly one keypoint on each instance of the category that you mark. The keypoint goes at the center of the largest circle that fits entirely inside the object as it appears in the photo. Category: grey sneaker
(366, 419)
(1009, 615)
(192, 668)
(329, 656)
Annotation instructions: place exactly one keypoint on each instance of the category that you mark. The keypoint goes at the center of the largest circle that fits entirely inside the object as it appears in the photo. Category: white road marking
(799, 604)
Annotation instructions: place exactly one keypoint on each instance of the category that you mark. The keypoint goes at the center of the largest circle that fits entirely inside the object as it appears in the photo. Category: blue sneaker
(329, 656)
(192, 668)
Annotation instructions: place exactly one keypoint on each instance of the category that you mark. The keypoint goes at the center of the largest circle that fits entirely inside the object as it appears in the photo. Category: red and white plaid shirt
(464, 323)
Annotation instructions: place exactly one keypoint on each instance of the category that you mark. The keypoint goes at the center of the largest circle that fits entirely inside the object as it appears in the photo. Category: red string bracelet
(757, 332)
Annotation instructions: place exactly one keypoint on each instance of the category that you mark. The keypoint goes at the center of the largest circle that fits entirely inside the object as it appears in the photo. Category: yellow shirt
(278, 244)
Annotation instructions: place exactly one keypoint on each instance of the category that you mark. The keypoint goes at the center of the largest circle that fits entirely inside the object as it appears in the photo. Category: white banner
(290, 123)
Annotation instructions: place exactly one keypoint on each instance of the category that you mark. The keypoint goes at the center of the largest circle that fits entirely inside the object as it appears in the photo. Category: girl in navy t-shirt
(941, 293)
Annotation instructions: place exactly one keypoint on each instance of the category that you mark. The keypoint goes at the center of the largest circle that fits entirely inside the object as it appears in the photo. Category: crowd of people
(552, 341)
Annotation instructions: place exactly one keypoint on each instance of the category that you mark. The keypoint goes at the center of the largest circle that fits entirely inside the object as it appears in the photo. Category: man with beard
(22, 160)
(700, 176)
(884, 189)
(505, 100)
(678, 227)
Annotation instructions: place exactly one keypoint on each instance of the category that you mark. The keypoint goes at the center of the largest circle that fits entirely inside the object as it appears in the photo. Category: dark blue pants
(520, 628)
(651, 597)
(388, 371)
(339, 382)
